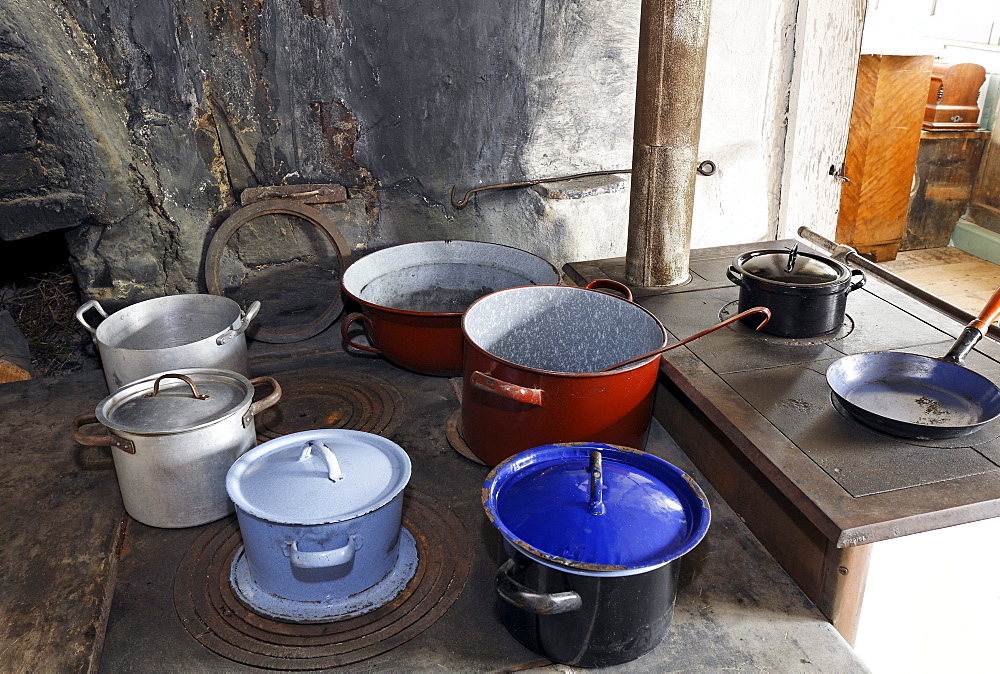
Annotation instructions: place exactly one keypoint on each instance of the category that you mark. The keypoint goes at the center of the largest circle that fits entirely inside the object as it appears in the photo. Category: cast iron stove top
(770, 397)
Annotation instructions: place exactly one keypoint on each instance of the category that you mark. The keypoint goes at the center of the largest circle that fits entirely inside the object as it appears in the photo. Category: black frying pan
(920, 397)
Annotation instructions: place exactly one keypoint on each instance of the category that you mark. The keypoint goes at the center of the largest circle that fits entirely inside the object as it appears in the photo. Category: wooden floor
(952, 274)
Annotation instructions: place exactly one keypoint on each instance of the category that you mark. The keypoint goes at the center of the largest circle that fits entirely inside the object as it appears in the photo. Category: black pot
(593, 536)
(806, 292)
(585, 620)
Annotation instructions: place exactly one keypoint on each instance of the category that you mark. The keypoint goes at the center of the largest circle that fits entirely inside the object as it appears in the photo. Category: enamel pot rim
(539, 459)
(468, 341)
(360, 264)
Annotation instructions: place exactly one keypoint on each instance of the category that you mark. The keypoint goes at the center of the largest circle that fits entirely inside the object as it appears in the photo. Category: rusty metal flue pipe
(673, 42)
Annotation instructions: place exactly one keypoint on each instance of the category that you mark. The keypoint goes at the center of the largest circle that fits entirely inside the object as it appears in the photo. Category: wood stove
(755, 414)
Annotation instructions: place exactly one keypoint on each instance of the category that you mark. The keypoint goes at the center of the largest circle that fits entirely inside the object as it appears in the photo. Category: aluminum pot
(806, 292)
(593, 536)
(174, 437)
(320, 513)
(533, 362)
(412, 297)
(169, 333)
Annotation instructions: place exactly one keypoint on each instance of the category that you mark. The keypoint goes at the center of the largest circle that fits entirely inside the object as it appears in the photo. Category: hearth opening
(38, 299)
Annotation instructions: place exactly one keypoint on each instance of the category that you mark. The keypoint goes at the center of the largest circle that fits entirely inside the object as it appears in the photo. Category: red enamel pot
(412, 297)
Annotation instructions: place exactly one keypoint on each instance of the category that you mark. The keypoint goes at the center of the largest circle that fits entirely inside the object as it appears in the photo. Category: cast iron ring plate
(213, 260)
(330, 398)
(731, 309)
(212, 615)
(453, 431)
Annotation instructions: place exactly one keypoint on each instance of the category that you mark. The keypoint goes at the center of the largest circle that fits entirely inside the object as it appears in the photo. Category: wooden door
(882, 145)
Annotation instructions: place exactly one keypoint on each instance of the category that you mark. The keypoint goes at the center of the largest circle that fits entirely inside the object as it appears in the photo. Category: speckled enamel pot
(412, 297)
(532, 370)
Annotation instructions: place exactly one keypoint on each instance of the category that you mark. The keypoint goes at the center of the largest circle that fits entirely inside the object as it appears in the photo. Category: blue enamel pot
(320, 514)
(593, 534)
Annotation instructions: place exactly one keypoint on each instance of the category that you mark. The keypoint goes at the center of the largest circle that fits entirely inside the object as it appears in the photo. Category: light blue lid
(318, 477)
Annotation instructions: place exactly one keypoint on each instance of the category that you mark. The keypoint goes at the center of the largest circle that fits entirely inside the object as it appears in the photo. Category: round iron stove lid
(792, 267)
(176, 402)
(541, 501)
(318, 477)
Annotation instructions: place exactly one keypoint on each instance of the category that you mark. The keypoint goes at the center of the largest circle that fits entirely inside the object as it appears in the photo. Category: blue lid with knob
(596, 507)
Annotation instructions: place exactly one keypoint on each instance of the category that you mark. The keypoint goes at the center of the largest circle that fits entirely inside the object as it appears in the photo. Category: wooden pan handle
(988, 315)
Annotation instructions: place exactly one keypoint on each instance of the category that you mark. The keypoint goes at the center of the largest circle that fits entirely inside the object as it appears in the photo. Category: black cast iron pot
(806, 292)
(593, 535)
(585, 620)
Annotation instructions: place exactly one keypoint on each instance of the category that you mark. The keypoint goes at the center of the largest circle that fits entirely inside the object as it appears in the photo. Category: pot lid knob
(332, 465)
(596, 485)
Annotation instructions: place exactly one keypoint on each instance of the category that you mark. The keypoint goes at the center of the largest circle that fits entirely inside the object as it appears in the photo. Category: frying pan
(920, 397)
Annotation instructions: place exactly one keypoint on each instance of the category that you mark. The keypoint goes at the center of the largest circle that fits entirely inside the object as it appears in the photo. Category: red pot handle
(484, 382)
(348, 321)
(611, 285)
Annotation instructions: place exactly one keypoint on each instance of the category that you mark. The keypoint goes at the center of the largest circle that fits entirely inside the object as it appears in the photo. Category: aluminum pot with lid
(594, 535)
(169, 333)
(173, 438)
(806, 292)
(320, 512)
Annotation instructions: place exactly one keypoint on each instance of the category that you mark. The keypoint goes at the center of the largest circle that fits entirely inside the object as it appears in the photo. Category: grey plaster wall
(135, 124)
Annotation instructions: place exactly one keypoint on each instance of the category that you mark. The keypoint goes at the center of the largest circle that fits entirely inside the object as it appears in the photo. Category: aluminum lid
(318, 477)
(805, 268)
(541, 500)
(184, 400)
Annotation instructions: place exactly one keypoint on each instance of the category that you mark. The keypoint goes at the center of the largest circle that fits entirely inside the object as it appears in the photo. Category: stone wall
(135, 124)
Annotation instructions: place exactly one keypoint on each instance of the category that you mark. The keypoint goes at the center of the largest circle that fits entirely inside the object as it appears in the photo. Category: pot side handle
(527, 599)
(240, 326)
(504, 389)
(732, 275)
(610, 285)
(324, 559)
(87, 306)
(347, 322)
(860, 282)
(88, 440)
(259, 406)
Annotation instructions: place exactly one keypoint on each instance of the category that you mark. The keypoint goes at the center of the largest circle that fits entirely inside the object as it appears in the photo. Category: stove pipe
(673, 41)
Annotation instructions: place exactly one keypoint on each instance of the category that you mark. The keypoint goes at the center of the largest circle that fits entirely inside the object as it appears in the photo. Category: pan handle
(610, 285)
(975, 330)
(504, 389)
(348, 321)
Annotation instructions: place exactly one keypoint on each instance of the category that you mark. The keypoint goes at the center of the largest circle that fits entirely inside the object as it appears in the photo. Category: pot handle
(183, 377)
(333, 470)
(324, 559)
(521, 394)
(259, 406)
(348, 321)
(610, 285)
(527, 599)
(92, 304)
(738, 280)
(88, 440)
(862, 279)
(240, 325)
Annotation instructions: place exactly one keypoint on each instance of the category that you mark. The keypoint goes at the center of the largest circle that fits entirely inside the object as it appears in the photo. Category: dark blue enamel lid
(638, 512)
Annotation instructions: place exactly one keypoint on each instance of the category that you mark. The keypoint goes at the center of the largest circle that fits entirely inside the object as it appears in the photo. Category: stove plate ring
(732, 308)
(325, 398)
(212, 614)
